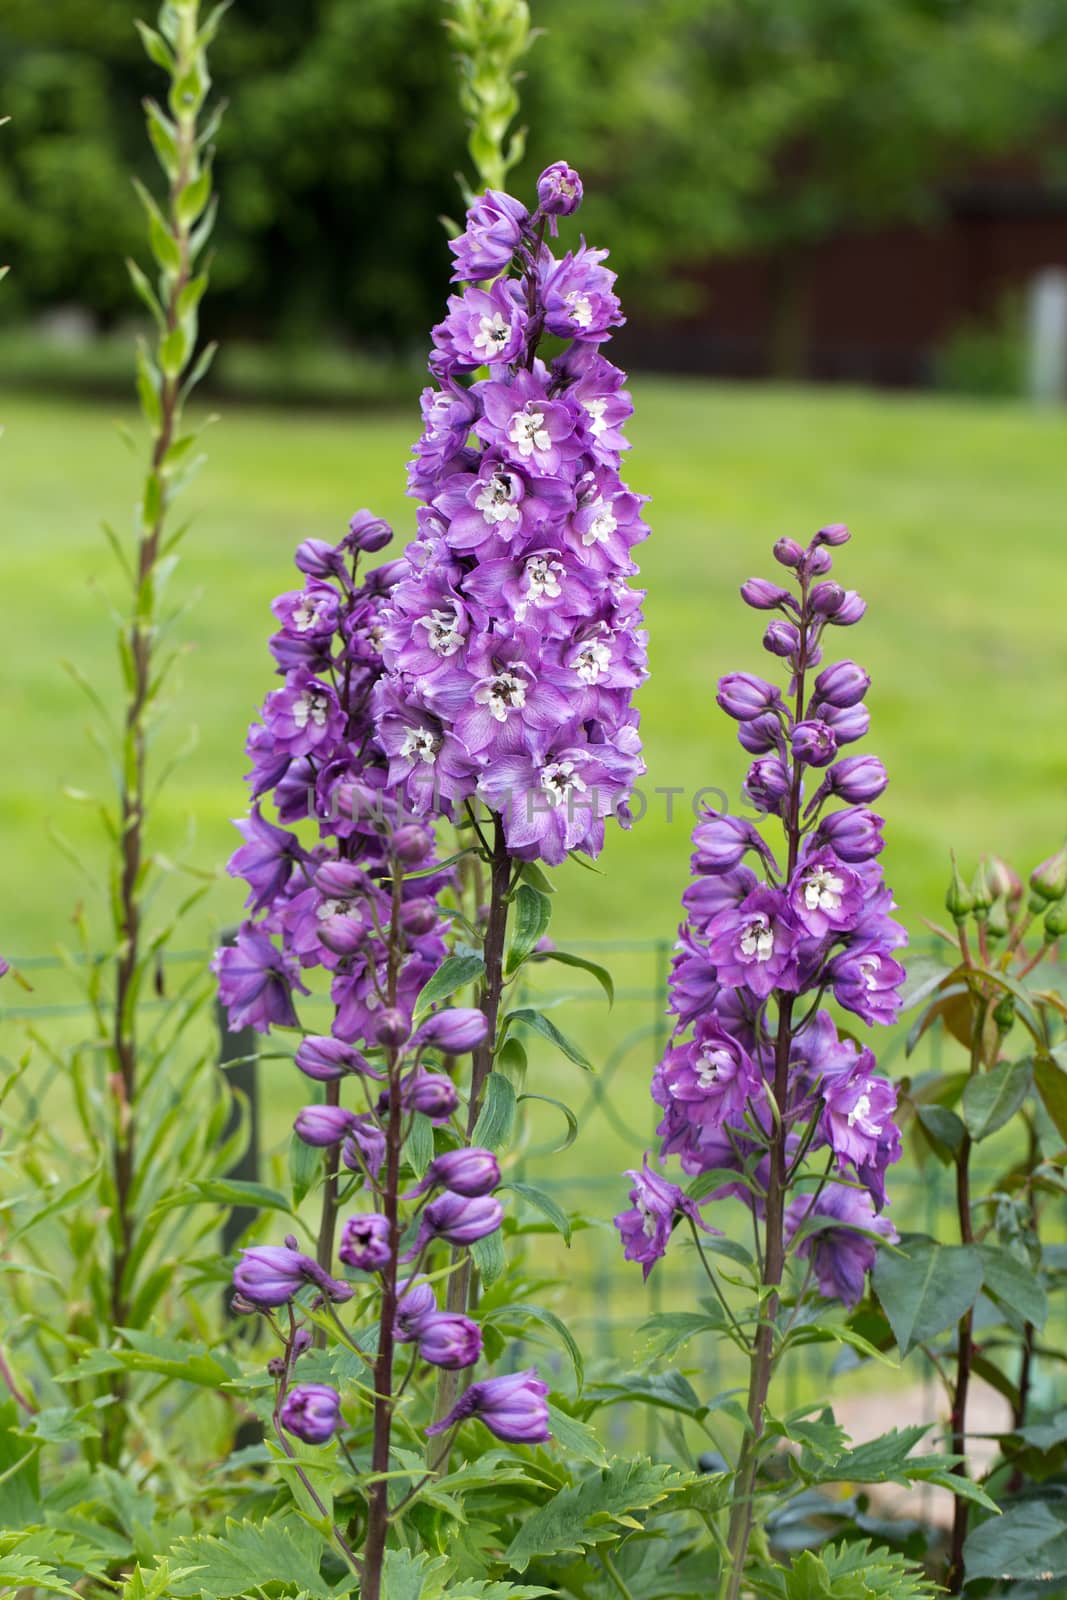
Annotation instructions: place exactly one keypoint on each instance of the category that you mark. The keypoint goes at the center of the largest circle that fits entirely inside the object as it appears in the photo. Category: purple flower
(494, 231)
(304, 717)
(722, 841)
(762, 595)
(483, 327)
(449, 1340)
(867, 981)
(429, 1092)
(841, 1256)
(855, 834)
(857, 779)
(364, 1147)
(756, 945)
(312, 1412)
(535, 432)
(513, 1408)
(367, 532)
(559, 190)
(256, 982)
(455, 1031)
(813, 743)
(579, 299)
(266, 859)
(858, 1108)
(706, 1081)
(767, 784)
(655, 1205)
(825, 895)
(270, 1275)
(365, 1242)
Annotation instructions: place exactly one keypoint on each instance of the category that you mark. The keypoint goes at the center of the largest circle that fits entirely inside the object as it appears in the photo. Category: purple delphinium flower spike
(512, 642)
(756, 1071)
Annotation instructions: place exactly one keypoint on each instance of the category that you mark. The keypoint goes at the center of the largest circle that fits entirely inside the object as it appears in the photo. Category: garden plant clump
(372, 1388)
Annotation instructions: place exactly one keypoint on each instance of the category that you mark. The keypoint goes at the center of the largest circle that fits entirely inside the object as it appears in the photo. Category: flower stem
(965, 1337)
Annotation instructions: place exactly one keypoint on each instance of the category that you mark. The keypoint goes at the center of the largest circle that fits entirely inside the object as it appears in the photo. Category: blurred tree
(699, 125)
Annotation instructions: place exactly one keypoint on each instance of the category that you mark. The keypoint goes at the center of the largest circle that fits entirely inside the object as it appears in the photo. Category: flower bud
(462, 1219)
(1004, 880)
(1004, 1013)
(392, 1027)
(721, 842)
(817, 561)
(455, 1031)
(559, 190)
(415, 1302)
(760, 735)
(312, 1412)
(813, 743)
(743, 696)
(981, 893)
(854, 834)
(763, 595)
(368, 532)
(419, 917)
(1056, 920)
(379, 580)
(322, 1126)
(788, 552)
(365, 1242)
(997, 921)
(449, 1340)
(468, 1172)
(1049, 880)
(412, 843)
(849, 611)
(429, 1092)
(826, 599)
(319, 559)
(781, 638)
(512, 1407)
(843, 684)
(959, 902)
(325, 1059)
(364, 1149)
(848, 722)
(834, 533)
(340, 880)
(857, 779)
(767, 784)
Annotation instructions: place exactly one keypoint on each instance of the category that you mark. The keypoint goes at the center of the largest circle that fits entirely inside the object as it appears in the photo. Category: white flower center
(306, 614)
(442, 632)
(861, 1113)
(376, 637)
(592, 659)
(757, 940)
(502, 694)
(823, 891)
(869, 966)
(542, 579)
(495, 500)
(712, 1066)
(596, 409)
(420, 744)
(332, 908)
(559, 779)
(493, 333)
(648, 1220)
(602, 526)
(310, 707)
(528, 432)
(581, 308)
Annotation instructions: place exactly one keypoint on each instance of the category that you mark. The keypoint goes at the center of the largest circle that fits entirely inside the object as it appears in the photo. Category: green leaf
(517, 1316)
(925, 976)
(548, 1030)
(845, 1572)
(667, 1390)
(575, 1437)
(418, 1147)
(598, 1509)
(669, 1331)
(226, 1192)
(545, 1204)
(532, 874)
(155, 48)
(1027, 1543)
(451, 975)
(488, 1256)
(1051, 1082)
(571, 1119)
(246, 1556)
(925, 1287)
(496, 1120)
(944, 1130)
(992, 1098)
(171, 1358)
(532, 912)
(1012, 1282)
(145, 291)
(305, 1165)
(595, 970)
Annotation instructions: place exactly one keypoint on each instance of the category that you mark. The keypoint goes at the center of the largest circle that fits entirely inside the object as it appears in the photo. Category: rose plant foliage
(372, 1392)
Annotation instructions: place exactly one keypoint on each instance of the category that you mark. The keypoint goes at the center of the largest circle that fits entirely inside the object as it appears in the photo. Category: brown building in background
(875, 307)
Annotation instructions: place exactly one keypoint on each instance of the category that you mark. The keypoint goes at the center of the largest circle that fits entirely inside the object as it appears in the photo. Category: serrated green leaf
(595, 1510)
(576, 1438)
(247, 1555)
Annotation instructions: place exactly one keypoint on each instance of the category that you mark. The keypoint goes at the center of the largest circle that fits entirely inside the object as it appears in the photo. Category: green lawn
(959, 515)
